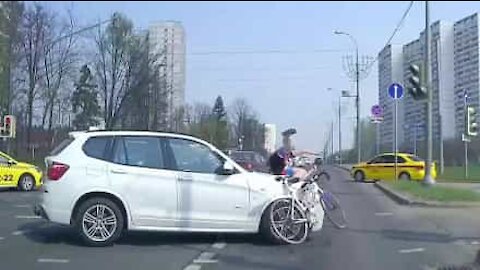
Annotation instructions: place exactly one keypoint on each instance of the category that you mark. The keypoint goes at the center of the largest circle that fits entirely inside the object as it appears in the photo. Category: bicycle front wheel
(333, 210)
(288, 228)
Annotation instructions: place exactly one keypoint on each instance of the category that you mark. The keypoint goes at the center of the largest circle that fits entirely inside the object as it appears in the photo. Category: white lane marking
(383, 214)
(475, 243)
(48, 260)
(205, 257)
(204, 261)
(2, 238)
(219, 245)
(412, 250)
(28, 217)
(20, 232)
(22, 206)
(193, 267)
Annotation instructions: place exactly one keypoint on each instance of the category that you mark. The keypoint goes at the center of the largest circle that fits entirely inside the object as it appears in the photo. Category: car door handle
(118, 171)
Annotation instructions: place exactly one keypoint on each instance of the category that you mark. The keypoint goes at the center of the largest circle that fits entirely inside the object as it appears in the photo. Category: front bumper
(39, 211)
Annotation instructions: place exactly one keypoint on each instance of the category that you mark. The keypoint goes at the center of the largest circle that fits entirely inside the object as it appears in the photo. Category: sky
(287, 88)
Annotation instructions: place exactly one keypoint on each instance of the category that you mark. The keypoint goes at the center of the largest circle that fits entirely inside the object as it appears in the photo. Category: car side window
(376, 160)
(140, 151)
(401, 160)
(389, 159)
(97, 147)
(194, 157)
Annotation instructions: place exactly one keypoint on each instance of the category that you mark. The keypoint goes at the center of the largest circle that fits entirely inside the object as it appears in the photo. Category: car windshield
(147, 115)
(242, 156)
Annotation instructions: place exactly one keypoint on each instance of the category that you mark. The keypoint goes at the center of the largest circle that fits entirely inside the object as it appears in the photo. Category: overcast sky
(295, 55)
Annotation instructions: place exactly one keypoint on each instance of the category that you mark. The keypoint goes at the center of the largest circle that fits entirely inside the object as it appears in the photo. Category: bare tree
(240, 111)
(59, 61)
(33, 31)
(111, 65)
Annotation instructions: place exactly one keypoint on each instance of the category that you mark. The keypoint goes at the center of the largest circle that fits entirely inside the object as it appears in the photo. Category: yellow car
(22, 175)
(382, 167)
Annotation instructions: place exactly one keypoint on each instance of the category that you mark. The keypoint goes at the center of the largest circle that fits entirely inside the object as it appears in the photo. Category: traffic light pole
(428, 180)
(465, 135)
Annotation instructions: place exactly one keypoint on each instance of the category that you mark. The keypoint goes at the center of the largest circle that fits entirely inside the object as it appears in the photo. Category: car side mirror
(228, 168)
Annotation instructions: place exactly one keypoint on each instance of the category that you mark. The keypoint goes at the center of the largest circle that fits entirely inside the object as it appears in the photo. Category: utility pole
(340, 130)
(465, 136)
(332, 142)
(357, 101)
(428, 180)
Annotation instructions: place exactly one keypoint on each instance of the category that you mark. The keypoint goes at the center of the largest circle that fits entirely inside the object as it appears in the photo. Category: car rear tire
(26, 183)
(99, 222)
(359, 176)
(404, 176)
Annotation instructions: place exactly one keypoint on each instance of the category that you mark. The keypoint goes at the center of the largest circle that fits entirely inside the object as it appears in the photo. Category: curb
(341, 167)
(398, 198)
(404, 200)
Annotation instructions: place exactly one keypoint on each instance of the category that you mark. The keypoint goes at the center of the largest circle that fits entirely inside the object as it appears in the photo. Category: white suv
(105, 182)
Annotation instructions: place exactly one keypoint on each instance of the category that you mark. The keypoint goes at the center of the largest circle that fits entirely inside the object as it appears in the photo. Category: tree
(111, 65)
(58, 62)
(33, 31)
(85, 101)
(219, 109)
(11, 15)
(132, 90)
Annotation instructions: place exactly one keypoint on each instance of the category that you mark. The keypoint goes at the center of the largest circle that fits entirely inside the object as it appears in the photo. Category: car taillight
(249, 166)
(56, 170)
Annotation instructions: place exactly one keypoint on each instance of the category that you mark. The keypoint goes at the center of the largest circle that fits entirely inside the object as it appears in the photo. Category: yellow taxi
(382, 167)
(22, 175)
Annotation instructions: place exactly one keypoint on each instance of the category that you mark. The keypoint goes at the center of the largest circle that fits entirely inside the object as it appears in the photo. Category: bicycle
(293, 218)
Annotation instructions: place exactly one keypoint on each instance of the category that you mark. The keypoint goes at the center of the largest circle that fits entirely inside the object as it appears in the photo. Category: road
(381, 235)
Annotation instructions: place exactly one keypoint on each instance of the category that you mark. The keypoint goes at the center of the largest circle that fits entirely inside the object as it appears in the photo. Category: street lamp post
(357, 98)
(343, 94)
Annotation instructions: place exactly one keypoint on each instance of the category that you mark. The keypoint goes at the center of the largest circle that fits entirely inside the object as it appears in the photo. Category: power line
(395, 31)
(259, 52)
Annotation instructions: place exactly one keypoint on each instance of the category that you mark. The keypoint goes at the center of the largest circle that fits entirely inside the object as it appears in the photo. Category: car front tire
(359, 176)
(99, 222)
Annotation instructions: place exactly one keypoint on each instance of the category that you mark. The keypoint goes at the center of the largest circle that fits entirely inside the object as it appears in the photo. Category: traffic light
(471, 121)
(416, 89)
(9, 126)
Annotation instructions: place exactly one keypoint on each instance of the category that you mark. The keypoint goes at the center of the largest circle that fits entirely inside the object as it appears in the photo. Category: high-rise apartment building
(391, 70)
(167, 39)
(467, 67)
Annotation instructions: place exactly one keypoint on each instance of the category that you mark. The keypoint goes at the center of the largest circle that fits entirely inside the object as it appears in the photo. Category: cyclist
(281, 161)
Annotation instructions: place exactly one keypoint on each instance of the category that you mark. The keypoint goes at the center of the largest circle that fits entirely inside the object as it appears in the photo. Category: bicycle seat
(289, 180)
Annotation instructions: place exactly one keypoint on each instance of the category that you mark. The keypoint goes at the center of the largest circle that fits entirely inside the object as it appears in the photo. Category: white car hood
(265, 183)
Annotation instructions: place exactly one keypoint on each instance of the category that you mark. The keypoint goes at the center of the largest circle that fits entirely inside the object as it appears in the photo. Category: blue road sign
(395, 90)
(377, 111)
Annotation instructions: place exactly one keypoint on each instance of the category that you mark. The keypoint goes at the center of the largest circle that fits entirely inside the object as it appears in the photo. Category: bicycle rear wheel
(323, 176)
(333, 210)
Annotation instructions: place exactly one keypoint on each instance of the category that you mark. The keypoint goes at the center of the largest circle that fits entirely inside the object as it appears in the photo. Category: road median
(415, 194)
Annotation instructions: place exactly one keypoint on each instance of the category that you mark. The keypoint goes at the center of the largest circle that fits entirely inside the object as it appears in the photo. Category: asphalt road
(381, 235)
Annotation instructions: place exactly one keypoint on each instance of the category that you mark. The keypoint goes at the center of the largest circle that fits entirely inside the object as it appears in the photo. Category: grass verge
(434, 193)
(457, 174)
